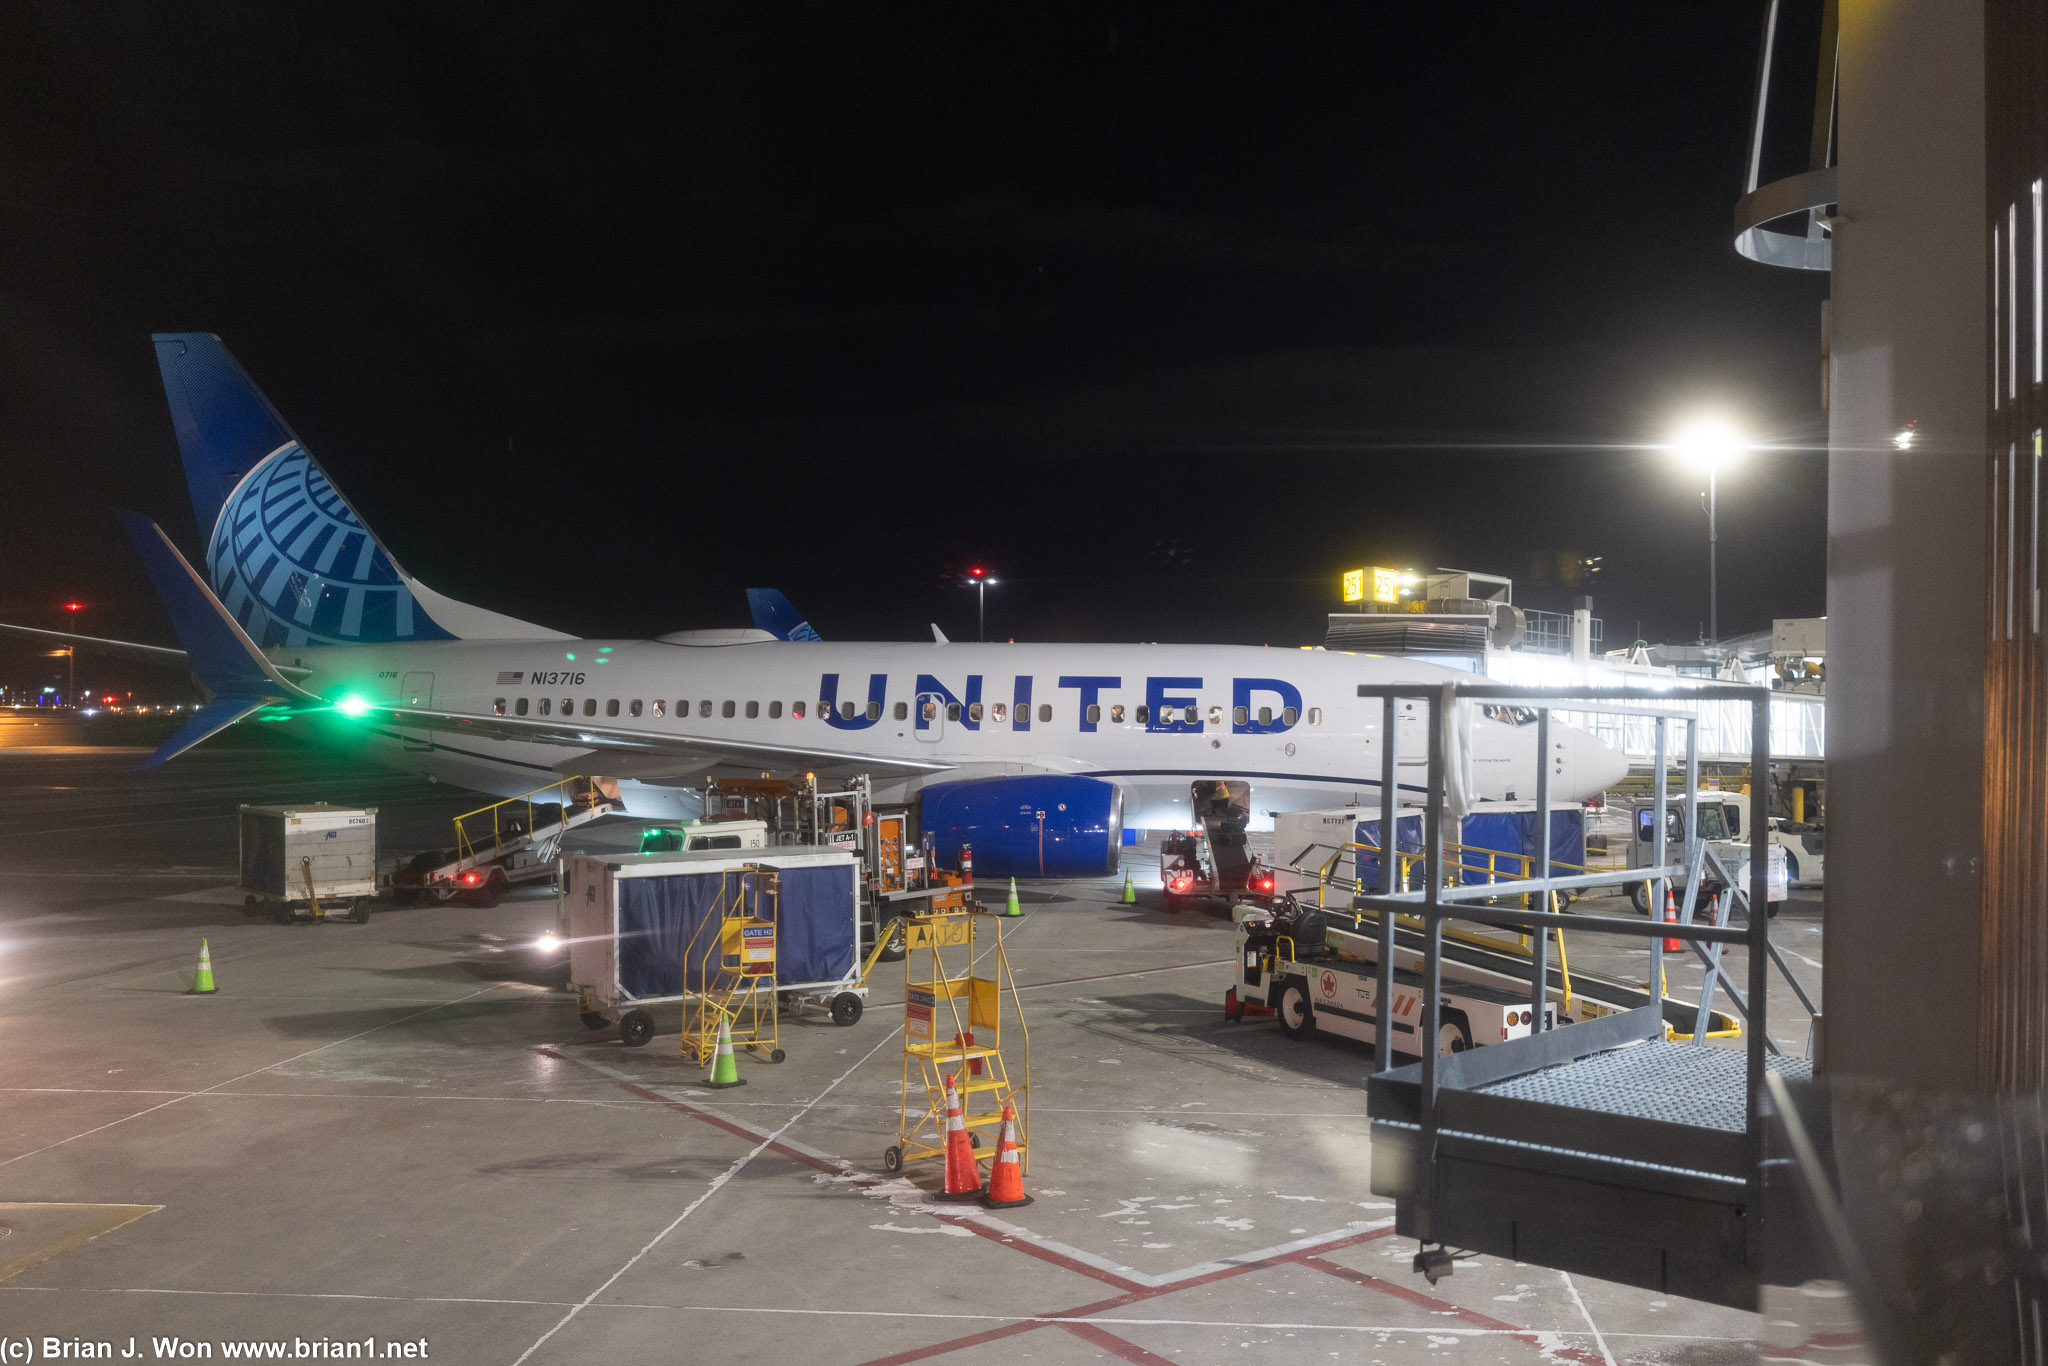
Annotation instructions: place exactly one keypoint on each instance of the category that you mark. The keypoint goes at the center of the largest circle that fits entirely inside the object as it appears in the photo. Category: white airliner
(1037, 755)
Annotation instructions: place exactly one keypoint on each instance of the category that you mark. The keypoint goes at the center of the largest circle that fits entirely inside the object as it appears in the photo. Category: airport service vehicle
(1722, 815)
(1210, 860)
(506, 844)
(314, 862)
(1316, 969)
(718, 832)
(1035, 755)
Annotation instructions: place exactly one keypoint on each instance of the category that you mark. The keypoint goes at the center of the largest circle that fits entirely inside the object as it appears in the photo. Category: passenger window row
(996, 712)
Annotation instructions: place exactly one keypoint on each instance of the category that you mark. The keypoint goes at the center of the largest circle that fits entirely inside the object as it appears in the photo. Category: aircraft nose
(1597, 766)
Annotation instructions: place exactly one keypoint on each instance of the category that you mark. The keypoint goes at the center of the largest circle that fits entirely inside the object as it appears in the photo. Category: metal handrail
(465, 847)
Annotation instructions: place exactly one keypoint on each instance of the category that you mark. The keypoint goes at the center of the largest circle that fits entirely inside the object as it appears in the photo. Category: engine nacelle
(1031, 825)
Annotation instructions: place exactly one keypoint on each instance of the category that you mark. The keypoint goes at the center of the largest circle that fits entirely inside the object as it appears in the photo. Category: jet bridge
(1605, 1147)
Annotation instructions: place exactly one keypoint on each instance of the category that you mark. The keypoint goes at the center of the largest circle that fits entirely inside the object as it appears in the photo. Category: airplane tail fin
(773, 613)
(289, 557)
(217, 649)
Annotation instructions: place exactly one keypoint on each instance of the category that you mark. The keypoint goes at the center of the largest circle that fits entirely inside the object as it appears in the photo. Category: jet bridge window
(902, 711)
(774, 711)
(633, 708)
(611, 706)
(727, 710)
(498, 705)
(753, 711)
(519, 707)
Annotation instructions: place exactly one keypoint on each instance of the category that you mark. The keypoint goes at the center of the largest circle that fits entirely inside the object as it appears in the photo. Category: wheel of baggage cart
(1297, 1017)
(1175, 904)
(777, 1056)
(636, 1027)
(846, 1008)
(285, 914)
(892, 1159)
(595, 1020)
(360, 912)
(250, 905)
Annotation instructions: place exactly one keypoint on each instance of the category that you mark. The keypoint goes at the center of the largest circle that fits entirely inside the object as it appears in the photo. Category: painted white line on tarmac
(1584, 1313)
(717, 1183)
(101, 1128)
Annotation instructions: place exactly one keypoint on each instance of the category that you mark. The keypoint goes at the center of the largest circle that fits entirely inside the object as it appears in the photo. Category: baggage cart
(315, 862)
(630, 921)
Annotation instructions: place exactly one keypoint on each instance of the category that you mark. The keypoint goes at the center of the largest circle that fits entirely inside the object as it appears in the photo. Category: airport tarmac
(399, 1133)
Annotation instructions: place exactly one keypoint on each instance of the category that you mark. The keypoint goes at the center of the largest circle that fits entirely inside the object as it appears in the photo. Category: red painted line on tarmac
(1432, 1303)
(1135, 1296)
(1110, 1342)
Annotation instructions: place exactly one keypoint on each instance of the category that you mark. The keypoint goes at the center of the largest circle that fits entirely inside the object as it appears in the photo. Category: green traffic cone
(725, 1069)
(202, 981)
(1130, 892)
(1011, 907)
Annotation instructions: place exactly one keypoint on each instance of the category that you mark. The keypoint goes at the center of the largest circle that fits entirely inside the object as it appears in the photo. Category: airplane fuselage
(1150, 718)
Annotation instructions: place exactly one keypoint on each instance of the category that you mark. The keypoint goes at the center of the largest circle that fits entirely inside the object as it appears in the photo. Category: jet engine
(1030, 825)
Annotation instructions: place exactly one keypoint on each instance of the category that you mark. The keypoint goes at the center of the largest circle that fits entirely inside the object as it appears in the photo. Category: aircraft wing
(156, 654)
(592, 734)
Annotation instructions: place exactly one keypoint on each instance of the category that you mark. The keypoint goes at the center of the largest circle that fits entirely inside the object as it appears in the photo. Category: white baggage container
(296, 856)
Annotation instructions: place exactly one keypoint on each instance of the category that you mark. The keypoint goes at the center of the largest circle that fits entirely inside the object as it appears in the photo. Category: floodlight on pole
(979, 580)
(1711, 444)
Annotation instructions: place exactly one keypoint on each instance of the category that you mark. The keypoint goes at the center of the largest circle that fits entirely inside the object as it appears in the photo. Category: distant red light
(74, 607)
(976, 571)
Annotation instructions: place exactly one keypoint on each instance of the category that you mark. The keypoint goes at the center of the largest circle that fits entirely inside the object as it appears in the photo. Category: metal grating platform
(1675, 1083)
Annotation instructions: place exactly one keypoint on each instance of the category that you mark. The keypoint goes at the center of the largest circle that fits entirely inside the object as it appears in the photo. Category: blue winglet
(773, 613)
(218, 650)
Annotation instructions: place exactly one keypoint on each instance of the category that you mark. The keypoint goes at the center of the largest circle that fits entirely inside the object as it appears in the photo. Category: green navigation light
(352, 706)
(570, 657)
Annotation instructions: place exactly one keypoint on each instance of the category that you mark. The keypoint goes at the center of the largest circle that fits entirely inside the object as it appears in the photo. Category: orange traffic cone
(1006, 1178)
(963, 1178)
(1671, 918)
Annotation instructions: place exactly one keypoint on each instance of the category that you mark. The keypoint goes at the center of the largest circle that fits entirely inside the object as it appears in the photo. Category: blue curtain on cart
(664, 938)
(814, 924)
(658, 916)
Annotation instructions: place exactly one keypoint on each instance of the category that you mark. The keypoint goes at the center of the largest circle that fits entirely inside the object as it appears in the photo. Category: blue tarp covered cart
(1506, 828)
(638, 925)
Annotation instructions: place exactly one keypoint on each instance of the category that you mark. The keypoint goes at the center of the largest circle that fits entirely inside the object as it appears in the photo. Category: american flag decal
(506, 676)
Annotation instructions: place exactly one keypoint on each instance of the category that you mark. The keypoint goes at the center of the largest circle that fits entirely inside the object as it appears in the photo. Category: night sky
(1165, 315)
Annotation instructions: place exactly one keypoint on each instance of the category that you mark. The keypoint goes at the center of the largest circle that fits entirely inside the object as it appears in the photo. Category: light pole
(71, 611)
(1709, 443)
(978, 579)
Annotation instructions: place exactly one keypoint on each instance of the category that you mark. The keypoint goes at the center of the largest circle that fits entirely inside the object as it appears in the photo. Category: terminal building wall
(2012, 1018)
